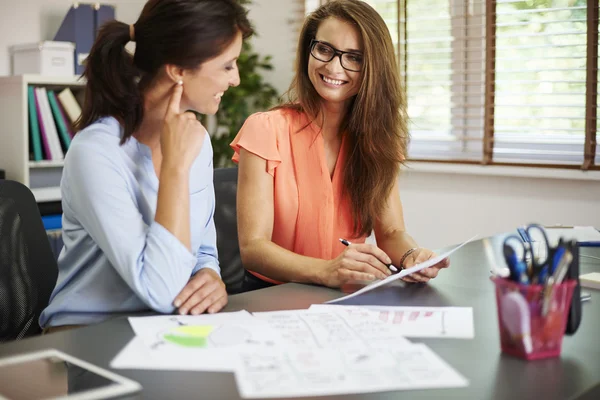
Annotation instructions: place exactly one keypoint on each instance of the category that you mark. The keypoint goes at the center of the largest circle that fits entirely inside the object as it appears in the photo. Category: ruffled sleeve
(259, 136)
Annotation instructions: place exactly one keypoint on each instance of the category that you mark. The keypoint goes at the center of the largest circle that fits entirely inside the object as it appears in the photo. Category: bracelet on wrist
(408, 253)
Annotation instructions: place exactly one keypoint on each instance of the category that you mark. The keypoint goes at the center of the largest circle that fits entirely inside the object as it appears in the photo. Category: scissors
(515, 255)
(539, 265)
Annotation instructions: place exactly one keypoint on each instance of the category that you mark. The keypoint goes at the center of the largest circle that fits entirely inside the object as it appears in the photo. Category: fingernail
(177, 303)
(371, 277)
(382, 276)
(389, 260)
(183, 311)
(195, 312)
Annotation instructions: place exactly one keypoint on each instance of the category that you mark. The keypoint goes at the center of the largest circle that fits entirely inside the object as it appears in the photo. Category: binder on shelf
(42, 125)
(34, 128)
(52, 222)
(72, 108)
(49, 125)
(78, 27)
(58, 119)
(63, 113)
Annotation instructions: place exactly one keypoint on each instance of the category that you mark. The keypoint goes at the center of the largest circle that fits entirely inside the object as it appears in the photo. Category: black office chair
(28, 270)
(232, 270)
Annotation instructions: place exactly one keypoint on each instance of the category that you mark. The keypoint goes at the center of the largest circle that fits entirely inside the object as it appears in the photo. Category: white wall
(445, 208)
(30, 21)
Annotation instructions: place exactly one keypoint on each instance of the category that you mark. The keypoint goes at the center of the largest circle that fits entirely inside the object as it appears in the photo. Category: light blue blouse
(116, 258)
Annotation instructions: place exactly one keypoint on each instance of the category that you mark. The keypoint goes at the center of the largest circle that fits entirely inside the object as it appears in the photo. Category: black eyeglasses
(324, 52)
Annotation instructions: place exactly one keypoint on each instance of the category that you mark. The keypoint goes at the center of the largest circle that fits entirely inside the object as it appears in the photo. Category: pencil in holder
(532, 318)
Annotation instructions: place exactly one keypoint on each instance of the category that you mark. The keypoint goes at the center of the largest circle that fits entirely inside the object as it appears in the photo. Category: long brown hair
(185, 33)
(376, 120)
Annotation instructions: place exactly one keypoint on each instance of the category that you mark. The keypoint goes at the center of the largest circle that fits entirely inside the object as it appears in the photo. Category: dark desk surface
(491, 374)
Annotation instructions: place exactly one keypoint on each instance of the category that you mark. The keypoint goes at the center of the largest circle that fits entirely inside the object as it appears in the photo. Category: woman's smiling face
(334, 83)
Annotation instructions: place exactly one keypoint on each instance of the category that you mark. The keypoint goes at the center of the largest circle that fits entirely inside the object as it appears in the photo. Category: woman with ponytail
(137, 191)
(324, 166)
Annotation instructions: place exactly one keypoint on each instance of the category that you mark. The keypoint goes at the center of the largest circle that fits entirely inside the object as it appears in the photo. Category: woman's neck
(155, 105)
(331, 119)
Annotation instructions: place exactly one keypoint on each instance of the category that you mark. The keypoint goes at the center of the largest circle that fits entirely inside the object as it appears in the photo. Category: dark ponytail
(185, 33)
(112, 88)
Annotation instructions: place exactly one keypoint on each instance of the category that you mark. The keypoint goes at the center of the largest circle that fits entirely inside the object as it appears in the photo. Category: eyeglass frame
(336, 53)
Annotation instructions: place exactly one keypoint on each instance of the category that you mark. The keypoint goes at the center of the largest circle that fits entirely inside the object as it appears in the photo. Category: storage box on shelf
(42, 177)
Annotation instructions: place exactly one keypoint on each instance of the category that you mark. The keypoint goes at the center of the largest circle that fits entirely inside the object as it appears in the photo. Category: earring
(180, 82)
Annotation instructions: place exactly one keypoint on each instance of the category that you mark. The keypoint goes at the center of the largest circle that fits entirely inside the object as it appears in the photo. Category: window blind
(444, 46)
(540, 72)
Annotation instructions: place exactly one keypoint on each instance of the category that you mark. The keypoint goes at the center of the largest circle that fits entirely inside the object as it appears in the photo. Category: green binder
(58, 118)
(34, 128)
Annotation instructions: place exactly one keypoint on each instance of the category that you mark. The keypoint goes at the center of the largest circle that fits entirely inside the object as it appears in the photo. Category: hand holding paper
(403, 273)
(420, 256)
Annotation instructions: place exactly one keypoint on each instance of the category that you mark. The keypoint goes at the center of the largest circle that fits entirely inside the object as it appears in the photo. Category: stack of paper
(324, 350)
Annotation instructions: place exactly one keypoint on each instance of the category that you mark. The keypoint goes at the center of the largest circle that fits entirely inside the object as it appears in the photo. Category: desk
(491, 374)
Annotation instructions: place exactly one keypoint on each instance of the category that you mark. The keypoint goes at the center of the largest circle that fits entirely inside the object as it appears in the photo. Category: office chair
(28, 270)
(232, 270)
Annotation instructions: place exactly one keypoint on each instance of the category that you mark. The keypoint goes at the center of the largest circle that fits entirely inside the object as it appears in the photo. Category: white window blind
(540, 81)
(444, 46)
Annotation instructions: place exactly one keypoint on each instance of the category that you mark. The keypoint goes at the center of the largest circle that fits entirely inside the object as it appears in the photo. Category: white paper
(202, 343)
(320, 372)
(332, 328)
(401, 274)
(438, 322)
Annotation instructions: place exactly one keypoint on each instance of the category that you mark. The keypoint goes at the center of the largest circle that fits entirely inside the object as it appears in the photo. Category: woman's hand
(204, 292)
(183, 135)
(419, 256)
(358, 262)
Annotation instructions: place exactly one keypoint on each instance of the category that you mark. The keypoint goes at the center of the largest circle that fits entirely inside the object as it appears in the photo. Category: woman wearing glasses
(325, 165)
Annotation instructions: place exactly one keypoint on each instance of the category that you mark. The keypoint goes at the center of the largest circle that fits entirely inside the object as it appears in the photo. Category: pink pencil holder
(525, 331)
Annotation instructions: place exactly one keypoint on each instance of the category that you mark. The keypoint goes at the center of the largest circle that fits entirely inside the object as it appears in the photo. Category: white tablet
(51, 374)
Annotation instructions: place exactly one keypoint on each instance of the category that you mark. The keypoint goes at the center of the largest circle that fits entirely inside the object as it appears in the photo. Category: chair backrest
(28, 270)
(232, 270)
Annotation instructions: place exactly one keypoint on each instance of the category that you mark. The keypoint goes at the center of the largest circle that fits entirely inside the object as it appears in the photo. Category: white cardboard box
(44, 58)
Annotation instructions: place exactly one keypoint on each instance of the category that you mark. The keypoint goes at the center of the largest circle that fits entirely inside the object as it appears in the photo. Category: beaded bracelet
(408, 253)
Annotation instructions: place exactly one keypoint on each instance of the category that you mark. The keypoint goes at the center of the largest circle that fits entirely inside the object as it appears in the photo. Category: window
(510, 82)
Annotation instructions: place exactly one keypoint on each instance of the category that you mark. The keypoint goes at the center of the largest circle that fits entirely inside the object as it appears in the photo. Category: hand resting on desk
(205, 292)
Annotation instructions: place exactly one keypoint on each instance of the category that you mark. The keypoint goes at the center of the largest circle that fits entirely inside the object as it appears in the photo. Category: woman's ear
(174, 72)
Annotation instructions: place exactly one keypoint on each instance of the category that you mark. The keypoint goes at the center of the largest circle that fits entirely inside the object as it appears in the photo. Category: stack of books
(51, 118)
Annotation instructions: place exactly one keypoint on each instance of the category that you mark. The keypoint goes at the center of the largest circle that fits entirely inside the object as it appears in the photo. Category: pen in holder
(532, 318)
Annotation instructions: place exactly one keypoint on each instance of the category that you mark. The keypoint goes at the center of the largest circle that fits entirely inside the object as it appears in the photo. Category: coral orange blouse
(311, 213)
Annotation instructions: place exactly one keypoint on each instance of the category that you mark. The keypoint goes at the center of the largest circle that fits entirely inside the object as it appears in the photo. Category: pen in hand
(347, 243)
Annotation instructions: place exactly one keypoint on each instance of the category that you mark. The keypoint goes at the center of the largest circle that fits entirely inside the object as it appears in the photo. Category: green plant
(252, 95)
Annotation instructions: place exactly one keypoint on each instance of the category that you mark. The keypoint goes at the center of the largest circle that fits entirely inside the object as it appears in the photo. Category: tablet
(51, 374)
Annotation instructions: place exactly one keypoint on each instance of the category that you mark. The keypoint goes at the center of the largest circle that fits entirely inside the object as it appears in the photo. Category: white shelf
(46, 164)
(46, 194)
(33, 79)
(43, 176)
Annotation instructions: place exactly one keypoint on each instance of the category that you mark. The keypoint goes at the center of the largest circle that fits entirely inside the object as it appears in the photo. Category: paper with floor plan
(332, 328)
(401, 274)
(438, 322)
(320, 372)
(203, 343)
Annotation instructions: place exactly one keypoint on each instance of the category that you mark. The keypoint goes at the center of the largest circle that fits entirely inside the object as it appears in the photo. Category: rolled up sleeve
(149, 258)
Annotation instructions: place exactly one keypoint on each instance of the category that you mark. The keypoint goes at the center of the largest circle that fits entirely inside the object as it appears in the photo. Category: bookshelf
(42, 177)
